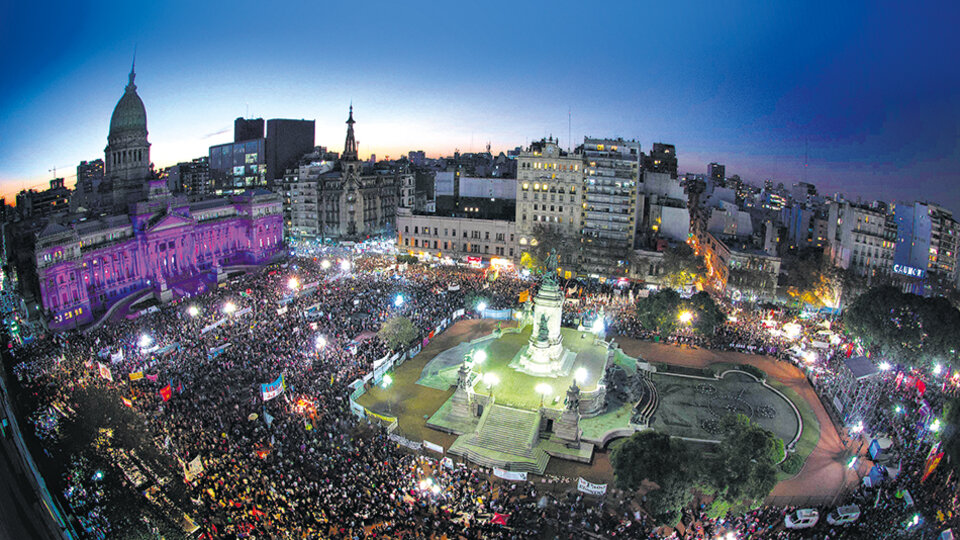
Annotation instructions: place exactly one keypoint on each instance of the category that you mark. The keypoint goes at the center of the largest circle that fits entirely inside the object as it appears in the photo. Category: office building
(862, 237)
(89, 175)
(717, 173)
(609, 213)
(926, 243)
(662, 159)
(549, 191)
(287, 142)
(433, 236)
(247, 129)
(33, 204)
(238, 166)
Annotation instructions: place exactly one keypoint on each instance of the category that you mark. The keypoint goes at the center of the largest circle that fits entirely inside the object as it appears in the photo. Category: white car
(844, 514)
(802, 519)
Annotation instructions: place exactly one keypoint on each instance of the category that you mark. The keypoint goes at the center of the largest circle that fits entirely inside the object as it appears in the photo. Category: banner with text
(432, 446)
(272, 390)
(590, 488)
(510, 475)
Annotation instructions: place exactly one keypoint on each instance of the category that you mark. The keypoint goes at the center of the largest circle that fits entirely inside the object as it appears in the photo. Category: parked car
(844, 514)
(802, 519)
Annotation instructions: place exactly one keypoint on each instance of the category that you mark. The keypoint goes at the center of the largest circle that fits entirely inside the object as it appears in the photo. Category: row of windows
(551, 166)
(466, 247)
(537, 186)
(453, 232)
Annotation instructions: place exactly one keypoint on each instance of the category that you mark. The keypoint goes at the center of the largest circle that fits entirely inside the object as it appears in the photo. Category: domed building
(127, 155)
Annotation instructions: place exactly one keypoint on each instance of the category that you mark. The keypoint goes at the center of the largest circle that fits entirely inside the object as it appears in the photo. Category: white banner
(244, 311)
(453, 287)
(117, 356)
(458, 313)
(215, 324)
(510, 475)
(431, 446)
(591, 488)
(447, 462)
(282, 310)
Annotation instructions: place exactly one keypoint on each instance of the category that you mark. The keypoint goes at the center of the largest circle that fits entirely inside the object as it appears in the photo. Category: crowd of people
(301, 465)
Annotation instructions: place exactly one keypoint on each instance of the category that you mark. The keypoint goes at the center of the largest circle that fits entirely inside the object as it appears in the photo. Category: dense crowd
(302, 465)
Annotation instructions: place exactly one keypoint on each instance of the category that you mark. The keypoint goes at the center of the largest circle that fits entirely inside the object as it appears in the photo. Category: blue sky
(871, 91)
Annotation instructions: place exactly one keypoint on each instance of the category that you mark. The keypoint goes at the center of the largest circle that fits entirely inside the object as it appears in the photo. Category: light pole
(543, 389)
(491, 379)
(385, 383)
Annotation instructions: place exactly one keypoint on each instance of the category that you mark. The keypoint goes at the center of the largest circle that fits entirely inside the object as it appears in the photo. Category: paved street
(17, 518)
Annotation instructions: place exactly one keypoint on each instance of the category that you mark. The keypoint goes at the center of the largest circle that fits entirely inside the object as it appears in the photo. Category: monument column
(568, 427)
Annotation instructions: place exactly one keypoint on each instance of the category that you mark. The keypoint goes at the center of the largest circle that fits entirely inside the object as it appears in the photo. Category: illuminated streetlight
(321, 342)
(884, 366)
(598, 325)
(898, 409)
(491, 380)
(935, 426)
(479, 357)
(937, 369)
(481, 307)
(229, 308)
(293, 283)
(145, 341)
(387, 381)
(325, 264)
(857, 428)
(345, 265)
(685, 317)
(193, 311)
(398, 301)
(580, 375)
(543, 389)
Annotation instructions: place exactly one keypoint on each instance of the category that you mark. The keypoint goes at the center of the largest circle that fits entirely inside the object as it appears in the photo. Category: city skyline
(875, 114)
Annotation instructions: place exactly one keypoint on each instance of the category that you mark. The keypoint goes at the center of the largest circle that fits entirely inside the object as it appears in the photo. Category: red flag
(166, 392)
(127, 402)
(499, 519)
(932, 463)
(921, 386)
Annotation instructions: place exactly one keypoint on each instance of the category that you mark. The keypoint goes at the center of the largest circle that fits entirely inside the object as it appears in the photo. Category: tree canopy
(744, 471)
(668, 462)
(546, 238)
(397, 332)
(707, 314)
(681, 266)
(905, 328)
(658, 311)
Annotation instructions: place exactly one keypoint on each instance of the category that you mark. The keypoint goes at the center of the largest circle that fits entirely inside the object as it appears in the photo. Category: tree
(681, 266)
(906, 328)
(744, 471)
(668, 462)
(708, 314)
(397, 332)
(546, 238)
(658, 312)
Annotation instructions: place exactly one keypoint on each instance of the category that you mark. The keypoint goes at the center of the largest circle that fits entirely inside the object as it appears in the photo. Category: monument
(545, 356)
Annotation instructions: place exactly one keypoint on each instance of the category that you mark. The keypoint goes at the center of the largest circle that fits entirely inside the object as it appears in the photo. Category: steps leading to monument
(649, 403)
(507, 438)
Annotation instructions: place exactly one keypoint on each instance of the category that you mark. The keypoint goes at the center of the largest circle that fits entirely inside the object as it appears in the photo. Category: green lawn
(811, 426)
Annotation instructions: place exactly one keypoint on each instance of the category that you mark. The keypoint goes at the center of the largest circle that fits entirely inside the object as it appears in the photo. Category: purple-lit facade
(88, 266)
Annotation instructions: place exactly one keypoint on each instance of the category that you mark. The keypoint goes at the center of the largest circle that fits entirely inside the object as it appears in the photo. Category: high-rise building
(238, 166)
(926, 245)
(862, 237)
(287, 142)
(245, 129)
(717, 173)
(127, 154)
(549, 191)
(662, 159)
(89, 175)
(41, 204)
(417, 157)
(610, 210)
(190, 177)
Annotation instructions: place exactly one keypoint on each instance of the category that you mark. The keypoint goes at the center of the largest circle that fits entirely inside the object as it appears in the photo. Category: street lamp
(293, 283)
(479, 356)
(398, 301)
(543, 389)
(580, 375)
(935, 426)
(345, 265)
(229, 308)
(481, 307)
(491, 380)
(193, 311)
(937, 369)
(145, 341)
(685, 317)
(325, 264)
(387, 381)
(320, 343)
(884, 366)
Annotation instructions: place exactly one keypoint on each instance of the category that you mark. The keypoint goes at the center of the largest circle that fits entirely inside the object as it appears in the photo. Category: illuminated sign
(908, 270)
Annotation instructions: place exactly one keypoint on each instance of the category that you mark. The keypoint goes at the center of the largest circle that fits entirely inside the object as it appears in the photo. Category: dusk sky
(871, 90)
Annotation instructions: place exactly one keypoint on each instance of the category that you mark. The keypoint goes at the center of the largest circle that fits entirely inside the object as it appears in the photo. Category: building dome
(129, 116)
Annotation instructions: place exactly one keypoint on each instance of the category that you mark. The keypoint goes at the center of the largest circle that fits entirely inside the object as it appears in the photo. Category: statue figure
(549, 273)
(544, 333)
(572, 400)
(463, 376)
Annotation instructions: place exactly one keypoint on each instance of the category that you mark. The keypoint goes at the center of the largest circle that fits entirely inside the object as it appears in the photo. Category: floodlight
(193, 311)
(580, 375)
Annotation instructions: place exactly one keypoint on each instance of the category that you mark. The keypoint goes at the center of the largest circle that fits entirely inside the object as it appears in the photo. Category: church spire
(350, 146)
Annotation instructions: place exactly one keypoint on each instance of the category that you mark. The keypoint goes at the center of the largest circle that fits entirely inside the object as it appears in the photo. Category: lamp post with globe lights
(491, 380)
(543, 389)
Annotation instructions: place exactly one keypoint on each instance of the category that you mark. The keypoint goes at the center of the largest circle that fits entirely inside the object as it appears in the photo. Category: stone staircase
(648, 403)
(505, 438)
